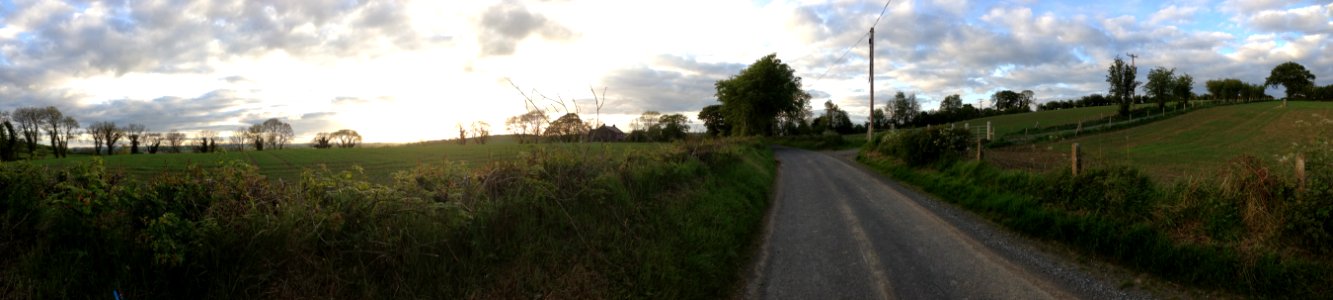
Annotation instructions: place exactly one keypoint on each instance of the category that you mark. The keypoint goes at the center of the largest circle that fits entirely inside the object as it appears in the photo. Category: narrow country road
(838, 231)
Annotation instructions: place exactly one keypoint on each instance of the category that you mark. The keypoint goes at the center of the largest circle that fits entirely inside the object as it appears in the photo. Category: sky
(407, 71)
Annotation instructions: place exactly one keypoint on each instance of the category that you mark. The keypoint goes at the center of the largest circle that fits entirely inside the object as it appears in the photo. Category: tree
(1008, 101)
(206, 141)
(1026, 98)
(834, 119)
(134, 133)
(1292, 76)
(1183, 88)
(256, 136)
(323, 140)
(481, 131)
(175, 140)
(29, 120)
(527, 126)
(9, 139)
(347, 138)
(276, 133)
(1161, 85)
(154, 142)
(568, 128)
(903, 109)
(715, 123)
(951, 103)
(674, 127)
(1121, 77)
(880, 119)
(51, 118)
(754, 99)
(240, 138)
(646, 121)
(462, 134)
(69, 128)
(107, 134)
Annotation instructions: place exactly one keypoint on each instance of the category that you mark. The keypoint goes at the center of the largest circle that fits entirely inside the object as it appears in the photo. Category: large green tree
(1122, 76)
(714, 121)
(903, 109)
(753, 100)
(1161, 85)
(1183, 88)
(1008, 101)
(1292, 76)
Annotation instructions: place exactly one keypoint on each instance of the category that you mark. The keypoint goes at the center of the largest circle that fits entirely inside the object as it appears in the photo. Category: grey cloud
(506, 24)
(1308, 19)
(166, 113)
(681, 85)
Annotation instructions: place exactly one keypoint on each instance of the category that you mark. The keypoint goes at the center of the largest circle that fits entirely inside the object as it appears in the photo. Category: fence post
(1300, 172)
(979, 154)
(1075, 162)
(990, 133)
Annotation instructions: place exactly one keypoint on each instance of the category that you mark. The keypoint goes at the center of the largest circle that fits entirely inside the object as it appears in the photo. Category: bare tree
(462, 134)
(481, 131)
(29, 121)
(153, 141)
(134, 133)
(239, 139)
(69, 128)
(107, 133)
(51, 118)
(256, 135)
(346, 138)
(322, 140)
(276, 133)
(206, 141)
(175, 139)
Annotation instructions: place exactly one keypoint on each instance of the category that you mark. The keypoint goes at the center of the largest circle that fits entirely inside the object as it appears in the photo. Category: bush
(919, 147)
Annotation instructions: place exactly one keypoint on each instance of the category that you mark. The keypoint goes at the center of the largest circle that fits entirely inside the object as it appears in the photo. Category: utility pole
(1132, 58)
(870, 132)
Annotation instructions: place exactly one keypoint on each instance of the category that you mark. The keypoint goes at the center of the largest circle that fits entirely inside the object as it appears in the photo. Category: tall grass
(1250, 229)
(671, 222)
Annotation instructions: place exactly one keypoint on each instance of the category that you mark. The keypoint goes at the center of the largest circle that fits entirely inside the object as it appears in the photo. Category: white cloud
(1173, 14)
(1308, 19)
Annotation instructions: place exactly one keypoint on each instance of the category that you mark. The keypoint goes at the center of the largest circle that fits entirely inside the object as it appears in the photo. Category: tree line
(22, 132)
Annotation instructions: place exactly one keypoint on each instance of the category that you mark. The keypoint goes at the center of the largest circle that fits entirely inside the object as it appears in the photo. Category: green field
(379, 163)
(1195, 144)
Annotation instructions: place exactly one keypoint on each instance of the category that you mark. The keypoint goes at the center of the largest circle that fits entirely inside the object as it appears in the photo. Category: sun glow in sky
(404, 71)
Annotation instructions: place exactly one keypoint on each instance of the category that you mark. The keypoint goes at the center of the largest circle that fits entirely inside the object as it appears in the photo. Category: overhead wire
(859, 40)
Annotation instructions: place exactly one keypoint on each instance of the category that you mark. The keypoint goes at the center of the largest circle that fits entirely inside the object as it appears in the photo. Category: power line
(858, 42)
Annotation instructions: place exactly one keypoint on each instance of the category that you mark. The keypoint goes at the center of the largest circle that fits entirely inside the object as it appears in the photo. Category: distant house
(606, 134)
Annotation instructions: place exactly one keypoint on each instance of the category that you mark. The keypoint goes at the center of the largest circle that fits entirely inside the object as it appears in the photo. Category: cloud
(1308, 19)
(1173, 14)
(216, 110)
(673, 84)
(505, 24)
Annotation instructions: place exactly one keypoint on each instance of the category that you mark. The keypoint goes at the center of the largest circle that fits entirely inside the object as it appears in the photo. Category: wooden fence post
(1075, 162)
(979, 154)
(1300, 172)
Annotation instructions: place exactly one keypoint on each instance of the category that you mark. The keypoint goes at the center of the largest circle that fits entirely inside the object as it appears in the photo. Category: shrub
(919, 147)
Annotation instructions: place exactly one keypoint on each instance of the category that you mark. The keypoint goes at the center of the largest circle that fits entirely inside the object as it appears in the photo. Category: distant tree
(1008, 101)
(674, 127)
(29, 121)
(754, 100)
(206, 141)
(881, 120)
(1292, 76)
(347, 138)
(834, 119)
(50, 119)
(323, 140)
(568, 128)
(154, 141)
(1122, 76)
(1026, 99)
(462, 134)
(276, 133)
(107, 133)
(1183, 88)
(527, 126)
(646, 121)
(481, 131)
(903, 109)
(951, 103)
(69, 129)
(715, 122)
(1161, 85)
(256, 136)
(134, 133)
(175, 140)
(240, 138)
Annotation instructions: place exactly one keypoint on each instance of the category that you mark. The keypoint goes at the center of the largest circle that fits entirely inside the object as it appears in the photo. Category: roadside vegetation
(671, 221)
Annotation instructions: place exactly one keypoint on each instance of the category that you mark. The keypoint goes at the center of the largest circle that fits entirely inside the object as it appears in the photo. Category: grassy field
(379, 163)
(1195, 144)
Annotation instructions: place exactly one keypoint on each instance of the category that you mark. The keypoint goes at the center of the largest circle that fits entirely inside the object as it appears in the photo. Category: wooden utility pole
(870, 132)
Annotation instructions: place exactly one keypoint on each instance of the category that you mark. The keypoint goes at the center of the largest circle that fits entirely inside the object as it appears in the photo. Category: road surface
(838, 231)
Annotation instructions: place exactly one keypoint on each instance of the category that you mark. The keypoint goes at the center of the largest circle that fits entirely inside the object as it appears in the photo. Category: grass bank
(1249, 230)
(672, 221)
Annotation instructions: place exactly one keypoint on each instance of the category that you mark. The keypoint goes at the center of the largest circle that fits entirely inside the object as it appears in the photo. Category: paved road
(838, 231)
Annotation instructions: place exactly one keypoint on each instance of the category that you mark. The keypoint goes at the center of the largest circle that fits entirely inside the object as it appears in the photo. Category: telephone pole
(1132, 57)
(870, 132)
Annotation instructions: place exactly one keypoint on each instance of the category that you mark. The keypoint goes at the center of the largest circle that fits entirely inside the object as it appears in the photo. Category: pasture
(378, 163)
(1195, 144)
